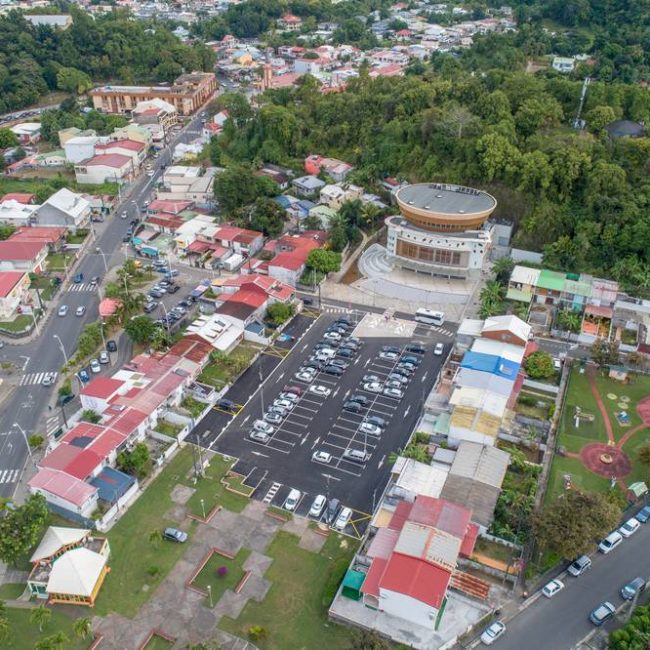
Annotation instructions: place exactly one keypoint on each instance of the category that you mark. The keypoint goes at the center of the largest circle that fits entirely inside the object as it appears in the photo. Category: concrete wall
(520, 255)
(407, 608)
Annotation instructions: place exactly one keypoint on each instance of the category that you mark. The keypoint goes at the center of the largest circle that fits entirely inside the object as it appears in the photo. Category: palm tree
(369, 214)
(40, 616)
(82, 627)
(4, 628)
(502, 269)
(56, 641)
(569, 320)
(491, 297)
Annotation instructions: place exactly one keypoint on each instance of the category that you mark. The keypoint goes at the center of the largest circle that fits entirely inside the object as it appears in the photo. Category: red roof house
(21, 197)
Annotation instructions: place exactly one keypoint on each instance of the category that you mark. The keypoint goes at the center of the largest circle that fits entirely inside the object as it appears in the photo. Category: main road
(562, 621)
(58, 337)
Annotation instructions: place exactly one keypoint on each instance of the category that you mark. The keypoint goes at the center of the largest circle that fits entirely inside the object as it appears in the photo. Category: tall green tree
(21, 528)
(40, 616)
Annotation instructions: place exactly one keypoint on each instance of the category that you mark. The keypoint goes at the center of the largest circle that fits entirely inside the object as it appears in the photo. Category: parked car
(344, 365)
(396, 376)
(643, 515)
(103, 357)
(154, 293)
(389, 356)
(292, 500)
(360, 399)
(259, 436)
(493, 632)
(321, 390)
(80, 311)
(629, 527)
(111, 346)
(414, 361)
(343, 519)
(373, 387)
(296, 390)
(579, 565)
(346, 353)
(390, 348)
(94, 366)
(332, 336)
(317, 506)
(395, 393)
(175, 535)
(265, 427)
(292, 397)
(356, 456)
(416, 348)
(353, 407)
(602, 613)
(333, 370)
(552, 588)
(439, 349)
(321, 457)
(371, 378)
(610, 542)
(370, 429)
(305, 376)
(376, 420)
(632, 588)
(63, 310)
(284, 403)
(272, 417)
(150, 306)
(226, 404)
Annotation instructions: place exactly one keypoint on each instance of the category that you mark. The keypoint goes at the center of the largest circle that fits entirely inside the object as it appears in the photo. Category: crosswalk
(9, 475)
(52, 424)
(34, 378)
(84, 286)
(272, 492)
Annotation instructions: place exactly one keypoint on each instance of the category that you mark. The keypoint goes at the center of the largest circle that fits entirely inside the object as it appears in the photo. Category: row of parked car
(335, 516)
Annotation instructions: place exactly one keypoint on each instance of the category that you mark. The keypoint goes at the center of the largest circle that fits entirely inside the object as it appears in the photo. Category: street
(562, 621)
(58, 337)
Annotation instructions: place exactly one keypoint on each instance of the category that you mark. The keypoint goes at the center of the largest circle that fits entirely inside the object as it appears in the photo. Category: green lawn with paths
(23, 634)
(158, 643)
(293, 613)
(219, 584)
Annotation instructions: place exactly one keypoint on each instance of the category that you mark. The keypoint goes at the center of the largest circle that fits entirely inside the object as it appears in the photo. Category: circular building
(441, 230)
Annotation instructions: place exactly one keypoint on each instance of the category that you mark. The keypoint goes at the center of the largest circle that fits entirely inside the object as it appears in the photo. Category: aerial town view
(324, 324)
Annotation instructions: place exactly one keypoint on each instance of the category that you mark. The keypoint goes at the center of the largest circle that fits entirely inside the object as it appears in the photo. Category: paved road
(561, 622)
(45, 353)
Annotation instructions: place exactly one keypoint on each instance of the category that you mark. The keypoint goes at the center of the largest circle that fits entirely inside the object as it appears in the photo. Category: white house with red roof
(23, 256)
(414, 557)
(135, 150)
(275, 290)
(292, 251)
(14, 289)
(289, 23)
(105, 168)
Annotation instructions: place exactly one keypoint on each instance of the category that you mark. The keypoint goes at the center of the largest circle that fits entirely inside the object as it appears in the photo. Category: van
(610, 542)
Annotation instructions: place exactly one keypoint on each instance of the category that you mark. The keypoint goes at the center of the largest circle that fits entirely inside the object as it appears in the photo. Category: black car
(173, 289)
(333, 370)
(126, 239)
(344, 319)
(339, 363)
(185, 303)
(415, 348)
(111, 346)
(360, 399)
(322, 345)
(226, 404)
(414, 361)
(390, 348)
(353, 407)
(346, 353)
(308, 301)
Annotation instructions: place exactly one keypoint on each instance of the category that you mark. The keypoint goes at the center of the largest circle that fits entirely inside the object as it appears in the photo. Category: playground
(603, 423)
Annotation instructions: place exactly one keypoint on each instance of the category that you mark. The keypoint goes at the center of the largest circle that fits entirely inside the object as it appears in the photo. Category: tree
(644, 454)
(324, 261)
(605, 353)
(35, 440)
(21, 528)
(635, 634)
(89, 415)
(140, 329)
(82, 627)
(6, 230)
(368, 641)
(40, 616)
(569, 320)
(155, 537)
(491, 298)
(267, 216)
(73, 81)
(136, 462)
(56, 641)
(502, 270)
(539, 365)
(337, 234)
(7, 138)
(571, 524)
(279, 312)
(599, 117)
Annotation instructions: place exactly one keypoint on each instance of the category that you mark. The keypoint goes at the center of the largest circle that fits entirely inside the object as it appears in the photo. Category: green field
(294, 614)
(24, 635)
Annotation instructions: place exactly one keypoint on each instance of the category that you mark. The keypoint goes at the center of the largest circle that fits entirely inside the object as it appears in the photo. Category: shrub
(527, 400)
(153, 571)
(256, 633)
(539, 365)
(222, 571)
(336, 574)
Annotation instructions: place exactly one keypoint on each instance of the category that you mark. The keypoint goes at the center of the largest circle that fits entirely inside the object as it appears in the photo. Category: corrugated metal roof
(551, 280)
(480, 463)
(479, 398)
(524, 275)
(508, 351)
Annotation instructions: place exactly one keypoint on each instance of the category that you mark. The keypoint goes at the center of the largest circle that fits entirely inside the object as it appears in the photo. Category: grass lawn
(209, 575)
(213, 492)
(12, 590)
(23, 634)
(640, 472)
(129, 585)
(580, 477)
(46, 287)
(636, 390)
(77, 238)
(21, 322)
(193, 406)
(158, 643)
(294, 613)
(219, 373)
(168, 429)
(59, 261)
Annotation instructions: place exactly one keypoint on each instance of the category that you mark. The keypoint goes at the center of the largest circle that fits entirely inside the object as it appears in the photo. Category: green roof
(577, 288)
(441, 427)
(518, 294)
(551, 280)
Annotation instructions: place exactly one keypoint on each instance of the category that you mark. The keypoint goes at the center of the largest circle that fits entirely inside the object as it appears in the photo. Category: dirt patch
(181, 494)
(605, 460)
(643, 409)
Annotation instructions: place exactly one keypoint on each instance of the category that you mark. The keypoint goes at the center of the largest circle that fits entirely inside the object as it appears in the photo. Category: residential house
(299, 209)
(334, 168)
(73, 132)
(27, 257)
(17, 213)
(308, 186)
(280, 178)
(324, 213)
(105, 169)
(79, 147)
(53, 236)
(243, 307)
(219, 331)
(14, 290)
(333, 196)
(182, 183)
(124, 147)
(564, 64)
(27, 132)
(64, 208)
(155, 112)
(25, 198)
(289, 23)
(290, 260)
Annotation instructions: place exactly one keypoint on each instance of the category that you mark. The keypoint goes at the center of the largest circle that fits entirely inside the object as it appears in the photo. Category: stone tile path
(181, 613)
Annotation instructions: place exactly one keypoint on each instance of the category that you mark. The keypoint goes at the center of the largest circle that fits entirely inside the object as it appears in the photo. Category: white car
(94, 366)
(272, 417)
(439, 349)
(264, 427)
(552, 588)
(332, 336)
(150, 173)
(321, 390)
(284, 404)
(292, 397)
(492, 633)
(292, 500)
(317, 506)
(629, 527)
(343, 519)
(321, 457)
(304, 376)
(48, 379)
(610, 542)
(395, 393)
(389, 356)
(370, 429)
(373, 387)
(103, 357)
(63, 310)
(80, 311)
(259, 436)
(124, 215)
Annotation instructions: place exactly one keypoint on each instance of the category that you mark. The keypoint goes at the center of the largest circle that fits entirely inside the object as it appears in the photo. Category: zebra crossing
(52, 425)
(34, 378)
(9, 475)
(84, 286)
(427, 331)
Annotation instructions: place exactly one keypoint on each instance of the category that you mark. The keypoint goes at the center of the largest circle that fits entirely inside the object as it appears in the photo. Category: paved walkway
(182, 613)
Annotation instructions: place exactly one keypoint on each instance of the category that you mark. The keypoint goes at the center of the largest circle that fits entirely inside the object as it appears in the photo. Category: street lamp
(162, 304)
(210, 594)
(65, 356)
(203, 507)
(29, 449)
(99, 251)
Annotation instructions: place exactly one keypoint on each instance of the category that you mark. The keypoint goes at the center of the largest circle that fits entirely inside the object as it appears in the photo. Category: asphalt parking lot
(319, 422)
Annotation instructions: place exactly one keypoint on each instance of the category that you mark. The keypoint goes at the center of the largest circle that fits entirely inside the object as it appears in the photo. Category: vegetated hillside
(37, 59)
(581, 197)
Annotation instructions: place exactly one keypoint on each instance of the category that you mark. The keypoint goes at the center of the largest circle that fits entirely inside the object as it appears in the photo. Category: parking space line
(300, 415)
(284, 429)
(304, 408)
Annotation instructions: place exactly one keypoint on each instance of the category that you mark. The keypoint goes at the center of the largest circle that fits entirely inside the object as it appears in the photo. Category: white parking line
(304, 408)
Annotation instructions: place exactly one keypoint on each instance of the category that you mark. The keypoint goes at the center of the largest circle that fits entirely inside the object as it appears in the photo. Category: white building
(64, 208)
(80, 148)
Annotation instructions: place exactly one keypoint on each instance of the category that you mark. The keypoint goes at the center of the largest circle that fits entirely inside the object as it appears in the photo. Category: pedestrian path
(84, 286)
(52, 424)
(9, 475)
(34, 378)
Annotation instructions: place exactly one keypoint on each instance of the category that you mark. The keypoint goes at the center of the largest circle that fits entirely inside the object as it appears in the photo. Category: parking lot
(316, 420)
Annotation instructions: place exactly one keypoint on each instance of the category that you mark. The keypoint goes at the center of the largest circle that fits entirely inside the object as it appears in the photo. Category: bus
(430, 317)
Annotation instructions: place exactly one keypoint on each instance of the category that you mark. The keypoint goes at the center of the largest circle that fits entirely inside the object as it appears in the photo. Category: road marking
(245, 419)
(316, 442)
(271, 493)
(333, 478)
(368, 360)
(259, 453)
(304, 440)
(424, 376)
(280, 377)
(408, 408)
(381, 462)
(9, 476)
(304, 347)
